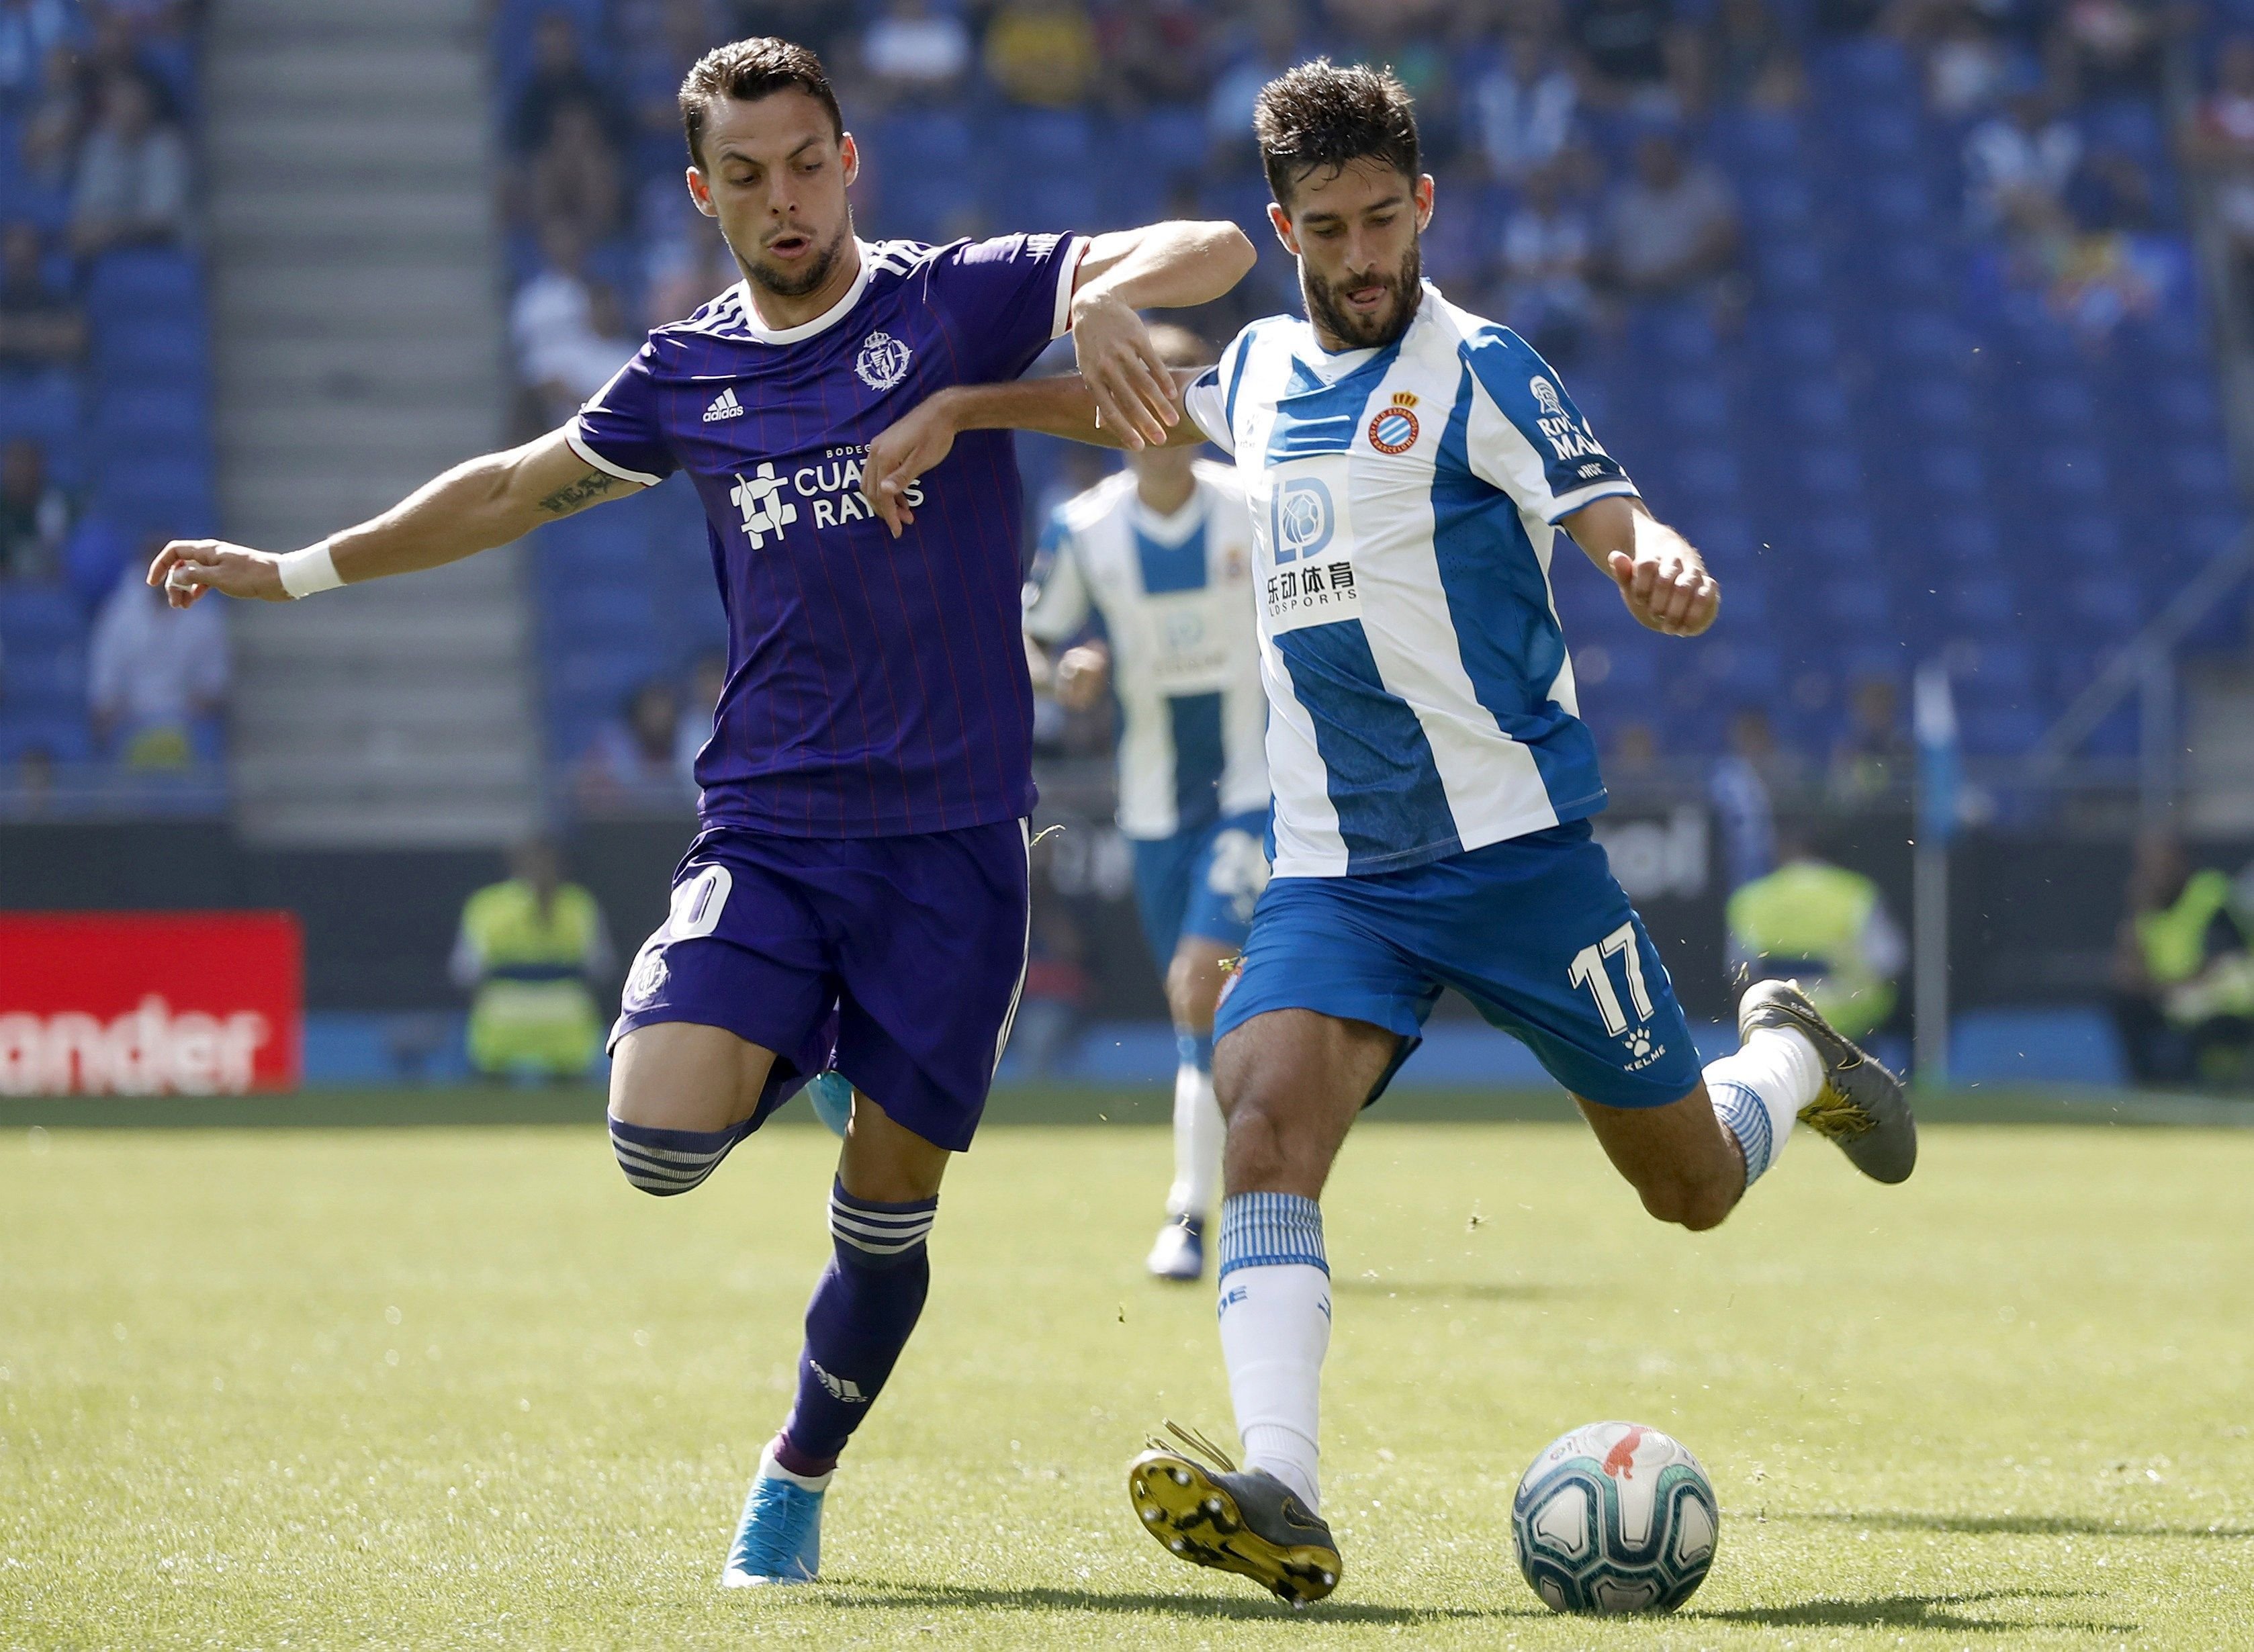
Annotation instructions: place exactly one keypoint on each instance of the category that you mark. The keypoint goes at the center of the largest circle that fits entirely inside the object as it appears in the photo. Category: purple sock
(863, 1308)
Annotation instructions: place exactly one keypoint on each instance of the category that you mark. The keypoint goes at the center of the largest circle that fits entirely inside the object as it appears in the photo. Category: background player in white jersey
(1158, 560)
(1408, 466)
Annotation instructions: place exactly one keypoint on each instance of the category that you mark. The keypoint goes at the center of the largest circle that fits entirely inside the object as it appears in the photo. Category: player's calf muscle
(1682, 1163)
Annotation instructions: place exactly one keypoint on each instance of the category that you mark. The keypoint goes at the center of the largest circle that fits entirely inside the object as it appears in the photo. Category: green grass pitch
(462, 1387)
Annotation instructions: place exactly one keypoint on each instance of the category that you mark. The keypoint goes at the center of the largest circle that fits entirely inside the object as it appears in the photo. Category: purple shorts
(896, 960)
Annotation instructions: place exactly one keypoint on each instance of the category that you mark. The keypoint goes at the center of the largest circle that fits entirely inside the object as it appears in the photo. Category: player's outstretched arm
(481, 503)
(1166, 266)
(1662, 579)
(1063, 405)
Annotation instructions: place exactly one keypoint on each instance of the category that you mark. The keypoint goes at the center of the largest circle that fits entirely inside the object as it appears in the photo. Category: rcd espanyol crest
(1545, 396)
(884, 361)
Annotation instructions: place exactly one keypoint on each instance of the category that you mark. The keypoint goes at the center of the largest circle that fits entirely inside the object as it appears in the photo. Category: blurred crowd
(97, 173)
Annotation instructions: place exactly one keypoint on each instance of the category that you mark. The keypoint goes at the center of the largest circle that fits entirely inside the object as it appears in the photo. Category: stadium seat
(45, 406)
(146, 281)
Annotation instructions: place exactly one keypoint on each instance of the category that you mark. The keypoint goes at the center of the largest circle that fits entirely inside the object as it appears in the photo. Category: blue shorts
(1534, 931)
(1202, 882)
(897, 959)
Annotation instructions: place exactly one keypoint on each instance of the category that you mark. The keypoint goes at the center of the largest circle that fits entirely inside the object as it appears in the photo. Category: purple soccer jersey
(875, 686)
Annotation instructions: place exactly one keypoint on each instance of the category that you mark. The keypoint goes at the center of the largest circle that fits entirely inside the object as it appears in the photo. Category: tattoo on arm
(588, 488)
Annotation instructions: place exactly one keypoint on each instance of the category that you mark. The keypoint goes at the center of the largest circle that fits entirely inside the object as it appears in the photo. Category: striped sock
(671, 1161)
(1758, 1092)
(864, 1306)
(1275, 1330)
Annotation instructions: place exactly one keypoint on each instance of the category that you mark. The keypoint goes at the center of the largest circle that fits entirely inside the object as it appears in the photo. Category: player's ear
(1422, 194)
(701, 192)
(849, 157)
(1281, 221)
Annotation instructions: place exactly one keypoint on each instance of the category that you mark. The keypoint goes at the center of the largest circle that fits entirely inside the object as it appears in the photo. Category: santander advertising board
(149, 1004)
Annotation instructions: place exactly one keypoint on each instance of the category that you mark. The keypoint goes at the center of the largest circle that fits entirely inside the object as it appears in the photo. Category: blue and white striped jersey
(1403, 504)
(1173, 595)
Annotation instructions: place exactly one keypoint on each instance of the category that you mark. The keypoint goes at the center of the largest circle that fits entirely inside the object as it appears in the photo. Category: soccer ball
(1614, 1518)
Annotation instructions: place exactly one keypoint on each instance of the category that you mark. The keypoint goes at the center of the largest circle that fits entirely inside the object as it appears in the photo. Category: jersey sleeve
(619, 431)
(1013, 294)
(1211, 398)
(1057, 602)
(1525, 436)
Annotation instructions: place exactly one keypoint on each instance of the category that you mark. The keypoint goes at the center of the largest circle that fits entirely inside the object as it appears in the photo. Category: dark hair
(749, 70)
(1321, 116)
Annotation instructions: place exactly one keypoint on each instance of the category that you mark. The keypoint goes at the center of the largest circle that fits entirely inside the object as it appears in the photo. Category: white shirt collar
(827, 319)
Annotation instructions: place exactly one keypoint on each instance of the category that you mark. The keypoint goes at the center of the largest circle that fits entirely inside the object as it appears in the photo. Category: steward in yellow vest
(532, 950)
(1828, 927)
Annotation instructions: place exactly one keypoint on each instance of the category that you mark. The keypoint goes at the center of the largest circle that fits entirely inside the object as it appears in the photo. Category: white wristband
(306, 571)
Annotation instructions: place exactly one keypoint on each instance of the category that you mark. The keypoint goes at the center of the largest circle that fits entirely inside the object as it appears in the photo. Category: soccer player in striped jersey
(1158, 560)
(1408, 466)
(856, 894)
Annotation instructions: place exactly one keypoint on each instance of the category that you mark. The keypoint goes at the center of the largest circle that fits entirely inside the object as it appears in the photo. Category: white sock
(1197, 1144)
(1274, 1329)
(1758, 1092)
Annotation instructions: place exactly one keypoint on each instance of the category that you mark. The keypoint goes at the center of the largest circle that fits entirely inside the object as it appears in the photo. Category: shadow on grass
(1916, 1612)
(2011, 1525)
(1443, 1290)
(922, 1597)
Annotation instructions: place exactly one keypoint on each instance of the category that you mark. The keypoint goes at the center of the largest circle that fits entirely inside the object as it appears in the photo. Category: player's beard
(818, 270)
(1407, 286)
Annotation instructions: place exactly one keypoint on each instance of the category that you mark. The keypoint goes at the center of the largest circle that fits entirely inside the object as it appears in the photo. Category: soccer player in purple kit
(856, 895)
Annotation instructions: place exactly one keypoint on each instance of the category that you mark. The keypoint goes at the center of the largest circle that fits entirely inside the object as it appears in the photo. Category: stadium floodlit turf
(449, 1387)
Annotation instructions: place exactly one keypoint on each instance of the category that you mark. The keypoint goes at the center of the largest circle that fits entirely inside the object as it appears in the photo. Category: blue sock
(863, 1308)
(1194, 1049)
(671, 1161)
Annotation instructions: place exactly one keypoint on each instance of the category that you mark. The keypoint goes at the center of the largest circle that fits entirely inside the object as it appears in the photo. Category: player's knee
(1193, 989)
(1695, 1203)
(665, 1162)
(1269, 1146)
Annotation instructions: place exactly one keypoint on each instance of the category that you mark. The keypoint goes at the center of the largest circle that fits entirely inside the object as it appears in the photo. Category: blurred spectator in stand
(1277, 45)
(29, 31)
(707, 679)
(35, 516)
(1634, 55)
(2183, 982)
(1966, 65)
(915, 52)
(1825, 927)
(559, 79)
(1874, 758)
(1042, 53)
(1848, 17)
(2101, 49)
(1633, 763)
(154, 672)
(532, 949)
(1746, 60)
(1671, 231)
(56, 122)
(1522, 107)
(632, 760)
(1154, 53)
(685, 265)
(2218, 145)
(575, 181)
(2019, 163)
(41, 325)
(1738, 787)
(132, 188)
(1547, 248)
(569, 333)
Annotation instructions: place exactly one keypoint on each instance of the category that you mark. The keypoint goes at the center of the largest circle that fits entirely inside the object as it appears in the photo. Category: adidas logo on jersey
(724, 406)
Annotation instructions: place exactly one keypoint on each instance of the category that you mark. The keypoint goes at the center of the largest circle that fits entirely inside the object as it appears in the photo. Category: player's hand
(1081, 675)
(904, 453)
(1668, 593)
(1132, 385)
(187, 568)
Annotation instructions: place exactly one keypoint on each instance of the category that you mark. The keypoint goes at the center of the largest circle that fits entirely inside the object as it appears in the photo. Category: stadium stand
(105, 381)
(1924, 339)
